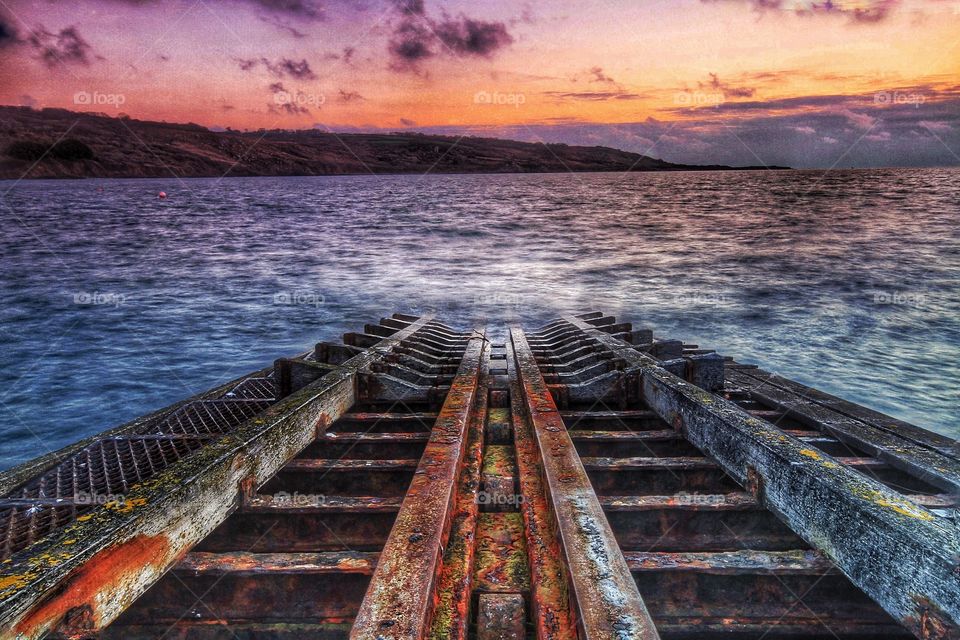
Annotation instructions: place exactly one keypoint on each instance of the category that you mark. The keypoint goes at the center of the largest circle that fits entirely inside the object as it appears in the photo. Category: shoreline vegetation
(57, 143)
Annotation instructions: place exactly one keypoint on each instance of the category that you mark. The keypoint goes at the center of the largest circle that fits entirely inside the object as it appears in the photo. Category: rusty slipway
(582, 480)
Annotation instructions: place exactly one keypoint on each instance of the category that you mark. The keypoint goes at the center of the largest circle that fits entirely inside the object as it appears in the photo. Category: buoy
(162, 195)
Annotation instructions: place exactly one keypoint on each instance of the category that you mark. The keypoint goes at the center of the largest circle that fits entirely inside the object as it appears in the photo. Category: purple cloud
(869, 11)
(282, 68)
(417, 37)
(56, 49)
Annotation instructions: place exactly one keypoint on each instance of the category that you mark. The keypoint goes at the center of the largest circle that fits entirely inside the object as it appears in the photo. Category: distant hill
(56, 143)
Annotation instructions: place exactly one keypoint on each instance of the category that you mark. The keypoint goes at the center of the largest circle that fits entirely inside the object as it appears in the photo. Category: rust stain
(112, 566)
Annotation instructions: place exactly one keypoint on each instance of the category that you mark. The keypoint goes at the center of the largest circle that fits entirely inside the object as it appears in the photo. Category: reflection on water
(116, 303)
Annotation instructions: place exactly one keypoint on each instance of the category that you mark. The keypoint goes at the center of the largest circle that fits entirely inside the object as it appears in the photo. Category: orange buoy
(162, 195)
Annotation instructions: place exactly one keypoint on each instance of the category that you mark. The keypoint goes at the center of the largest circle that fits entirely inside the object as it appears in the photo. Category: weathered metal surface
(12, 478)
(451, 615)
(945, 445)
(501, 557)
(252, 564)
(501, 617)
(498, 426)
(607, 601)
(551, 608)
(901, 554)
(83, 576)
(399, 601)
(920, 459)
(499, 478)
(732, 562)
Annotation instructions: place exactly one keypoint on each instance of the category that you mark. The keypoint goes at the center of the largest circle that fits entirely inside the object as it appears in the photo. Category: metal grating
(22, 525)
(253, 389)
(206, 417)
(104, 471)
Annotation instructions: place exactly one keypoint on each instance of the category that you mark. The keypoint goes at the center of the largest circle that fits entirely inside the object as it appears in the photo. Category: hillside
(56, 143)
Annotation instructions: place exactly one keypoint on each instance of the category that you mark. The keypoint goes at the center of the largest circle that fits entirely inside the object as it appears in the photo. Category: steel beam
(605, 596)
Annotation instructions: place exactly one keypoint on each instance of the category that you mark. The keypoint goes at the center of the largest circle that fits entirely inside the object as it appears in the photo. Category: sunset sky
(820, 84)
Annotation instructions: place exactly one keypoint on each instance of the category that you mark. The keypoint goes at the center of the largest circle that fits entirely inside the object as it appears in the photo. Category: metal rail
(83, 576)
(399, 601)
(899, 553)
(607, 602)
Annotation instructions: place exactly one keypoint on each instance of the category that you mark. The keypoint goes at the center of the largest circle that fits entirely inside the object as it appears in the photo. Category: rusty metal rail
(399, 601)
(585, 480)
(607, 602)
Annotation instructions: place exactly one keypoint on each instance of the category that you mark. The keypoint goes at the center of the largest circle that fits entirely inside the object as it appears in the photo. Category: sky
(746, 82)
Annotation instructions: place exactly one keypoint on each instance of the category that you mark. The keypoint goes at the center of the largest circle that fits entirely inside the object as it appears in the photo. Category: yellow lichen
(810, 453)
(903, 507)
(125, 506)
(15, 582)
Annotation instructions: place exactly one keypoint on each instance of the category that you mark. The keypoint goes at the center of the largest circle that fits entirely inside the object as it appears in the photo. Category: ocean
(116, 302)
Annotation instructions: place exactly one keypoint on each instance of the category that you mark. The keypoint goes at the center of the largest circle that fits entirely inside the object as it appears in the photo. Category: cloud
(56, 49)
(473, 37)
(775, 132)
(593, 95)
(941, 127)
(407, 123)
(417, 37)
(411, 44)
(858, 11)
(282, 68)
(410, 7)
(285, 102)
(306, 9)
(599, 76)
(8, 34)
(349, 96)
(287, 68)
(727, 89)
(283, 25)
(859, 120)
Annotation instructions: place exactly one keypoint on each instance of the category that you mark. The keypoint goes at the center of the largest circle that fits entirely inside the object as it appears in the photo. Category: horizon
(858, 83)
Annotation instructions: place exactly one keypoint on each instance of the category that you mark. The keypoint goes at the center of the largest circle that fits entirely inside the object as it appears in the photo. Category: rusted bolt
(417, 537)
